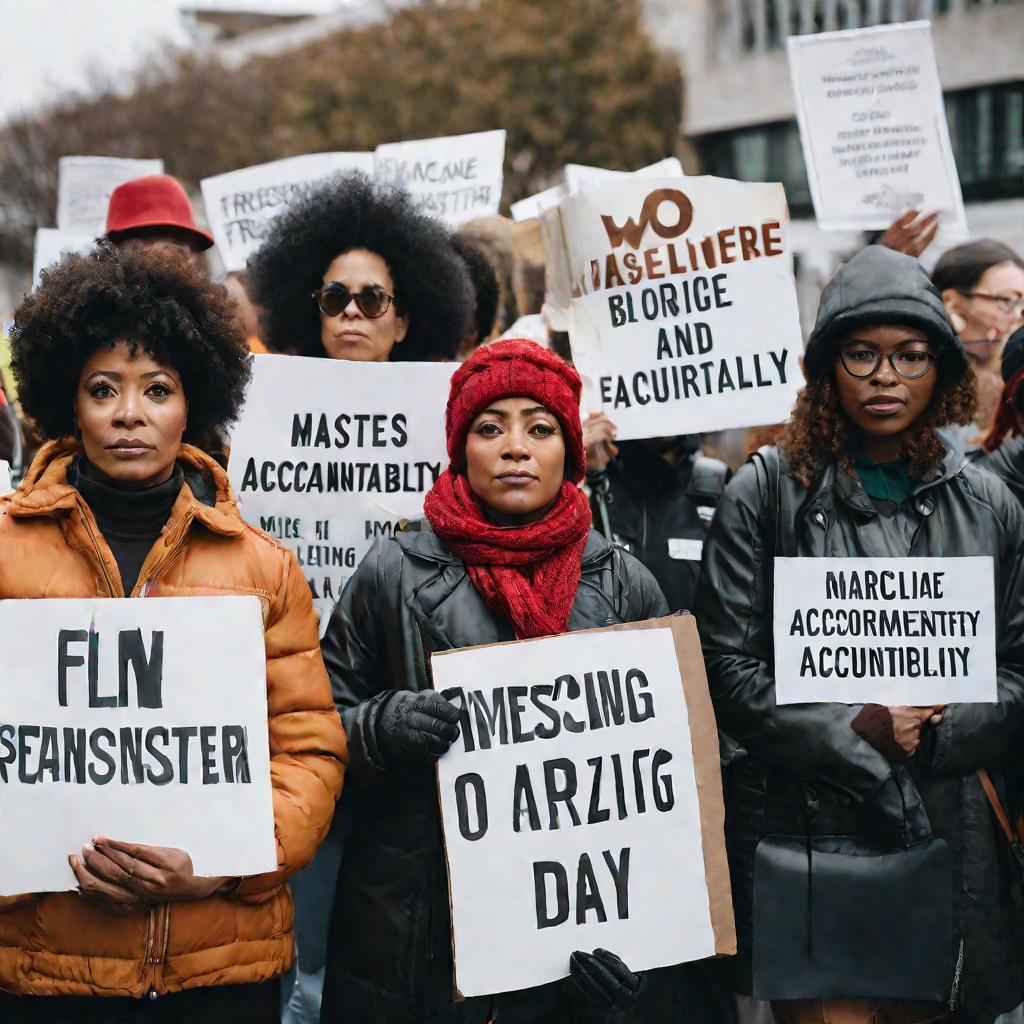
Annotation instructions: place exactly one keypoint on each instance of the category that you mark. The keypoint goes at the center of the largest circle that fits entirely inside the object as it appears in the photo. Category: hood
(880, 286)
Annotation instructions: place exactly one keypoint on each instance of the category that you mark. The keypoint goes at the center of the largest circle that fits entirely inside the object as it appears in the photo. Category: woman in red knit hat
(506, 552)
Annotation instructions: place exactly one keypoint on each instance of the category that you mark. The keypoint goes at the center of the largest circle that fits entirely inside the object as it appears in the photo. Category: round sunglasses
(372, 301)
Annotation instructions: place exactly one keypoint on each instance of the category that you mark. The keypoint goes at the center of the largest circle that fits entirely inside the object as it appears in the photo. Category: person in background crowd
(866, 473)
(155, 213)
(238, 285)
(121, 359)
(354, 272)
(485, 291)
(506, 552)
(982, 286)
(496, 238)
(10, 432)
(655, 498)
(1005, 443)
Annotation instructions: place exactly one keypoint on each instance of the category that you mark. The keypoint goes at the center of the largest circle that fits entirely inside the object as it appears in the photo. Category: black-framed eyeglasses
(1004, 302)
(372, 301)
(863, 362)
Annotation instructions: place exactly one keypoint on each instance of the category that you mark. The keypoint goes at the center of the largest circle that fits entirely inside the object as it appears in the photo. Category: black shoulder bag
(842, 916)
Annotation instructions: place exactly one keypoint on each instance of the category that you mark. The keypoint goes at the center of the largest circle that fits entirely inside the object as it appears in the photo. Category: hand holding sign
(416, 726)
(600, 979)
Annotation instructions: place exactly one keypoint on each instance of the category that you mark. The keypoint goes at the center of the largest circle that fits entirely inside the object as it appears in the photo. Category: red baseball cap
(156, 201)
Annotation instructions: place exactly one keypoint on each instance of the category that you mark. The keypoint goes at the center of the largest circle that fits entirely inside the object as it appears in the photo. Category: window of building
(755, 25)
(986, 128)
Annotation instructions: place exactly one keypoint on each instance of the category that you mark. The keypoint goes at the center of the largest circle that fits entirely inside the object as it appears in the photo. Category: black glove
(416, 726)
(600, 979)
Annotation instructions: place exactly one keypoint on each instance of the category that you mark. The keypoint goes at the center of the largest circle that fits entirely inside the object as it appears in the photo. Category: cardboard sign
(455, 179)
(5, 477)
(580, 178)
(241, 205)
(143, 720)
(892, 631)
(873, 126)
(582, 805)
(533, 206)
(329, 455)
(52, 245)
(584, 178)
(685, 311)
(84, 184)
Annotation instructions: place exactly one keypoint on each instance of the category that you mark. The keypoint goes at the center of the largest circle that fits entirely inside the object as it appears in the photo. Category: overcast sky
(48, 46)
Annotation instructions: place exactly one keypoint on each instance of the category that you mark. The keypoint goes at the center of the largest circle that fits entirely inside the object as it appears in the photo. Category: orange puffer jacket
(60, 944)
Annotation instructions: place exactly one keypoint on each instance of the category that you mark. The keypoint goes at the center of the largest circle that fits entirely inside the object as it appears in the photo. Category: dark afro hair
(485, 285)
(155, 301)
(432, 286)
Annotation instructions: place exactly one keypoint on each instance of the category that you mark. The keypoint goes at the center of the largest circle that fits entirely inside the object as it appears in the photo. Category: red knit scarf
(496, 556)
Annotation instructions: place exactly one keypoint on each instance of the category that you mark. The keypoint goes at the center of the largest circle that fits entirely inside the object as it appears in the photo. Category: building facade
(739, 115)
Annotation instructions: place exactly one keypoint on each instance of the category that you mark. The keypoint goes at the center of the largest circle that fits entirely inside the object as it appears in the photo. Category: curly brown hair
(818, 430)
(157, 303)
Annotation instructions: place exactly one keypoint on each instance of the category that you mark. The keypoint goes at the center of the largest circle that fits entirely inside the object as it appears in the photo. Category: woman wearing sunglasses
(354, 272)
(863, 472)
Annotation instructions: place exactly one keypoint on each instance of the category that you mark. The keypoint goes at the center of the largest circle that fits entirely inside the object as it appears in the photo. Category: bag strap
(1012, 837)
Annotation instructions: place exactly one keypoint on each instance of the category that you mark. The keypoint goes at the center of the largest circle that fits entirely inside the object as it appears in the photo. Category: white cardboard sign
(241, 205)
(580, 178)
(570, 808)
(143, 720)
(873, 126)
(329, 455)
(5, 477)
(685, 313)
(84, 185)
(455, 179)
(892, 631)
(52, 245)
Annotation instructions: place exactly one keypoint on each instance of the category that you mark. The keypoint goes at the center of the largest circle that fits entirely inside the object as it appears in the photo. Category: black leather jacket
(390, 949)
(663, 526)
(1007, 462)
(806, 759)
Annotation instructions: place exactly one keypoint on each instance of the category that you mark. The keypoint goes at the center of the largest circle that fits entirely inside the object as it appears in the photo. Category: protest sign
(580, 178)
(140, 720)
(52, 245)
(533, 206)
(892, 631)
(241, 205)
(329, 455)
(685, 316)
(873, 126)
(84, 184)
(582, 804)
(5, 477)
(456, 178)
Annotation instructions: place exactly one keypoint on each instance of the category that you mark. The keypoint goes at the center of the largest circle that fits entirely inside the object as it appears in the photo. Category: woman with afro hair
(354, 272)
(861, 470)
(122, 360)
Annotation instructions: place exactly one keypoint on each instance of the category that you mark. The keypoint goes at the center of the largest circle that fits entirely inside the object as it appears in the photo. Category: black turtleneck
(130, 521)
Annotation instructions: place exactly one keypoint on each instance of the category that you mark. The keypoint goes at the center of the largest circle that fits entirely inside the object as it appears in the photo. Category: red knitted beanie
(516, 369)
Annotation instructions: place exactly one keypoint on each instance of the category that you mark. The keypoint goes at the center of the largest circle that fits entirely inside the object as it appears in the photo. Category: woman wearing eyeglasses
(863, 472)
(982, 285)
(354, 272)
